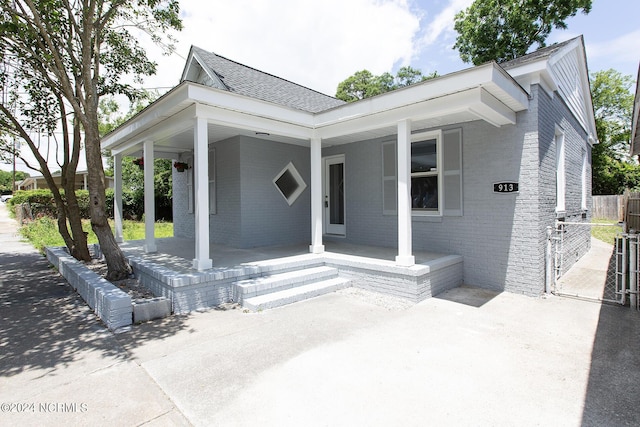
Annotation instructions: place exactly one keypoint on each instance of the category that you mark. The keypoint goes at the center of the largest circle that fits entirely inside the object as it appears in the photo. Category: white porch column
(201, 199)
(117, 197)
(84, 181)
(149, 199)
(405, 256)
(316, 196)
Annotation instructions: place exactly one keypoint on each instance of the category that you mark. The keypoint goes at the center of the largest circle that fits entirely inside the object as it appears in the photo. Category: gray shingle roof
(254, 83)
(542, 53)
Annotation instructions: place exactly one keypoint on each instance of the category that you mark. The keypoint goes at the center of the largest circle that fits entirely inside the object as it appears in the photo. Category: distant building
(38, 181)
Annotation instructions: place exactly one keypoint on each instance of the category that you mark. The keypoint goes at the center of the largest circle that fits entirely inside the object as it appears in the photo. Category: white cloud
(619, 53)
(442, 24)
(310, 42)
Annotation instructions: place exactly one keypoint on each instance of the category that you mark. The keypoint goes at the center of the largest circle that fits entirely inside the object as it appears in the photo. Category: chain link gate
(613, 289)
(627, 255)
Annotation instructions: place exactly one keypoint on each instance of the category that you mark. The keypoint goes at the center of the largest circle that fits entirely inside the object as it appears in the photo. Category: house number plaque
(505, 187)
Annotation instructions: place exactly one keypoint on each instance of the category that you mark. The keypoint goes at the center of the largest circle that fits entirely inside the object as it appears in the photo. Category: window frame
(302, 185)
(438, 173)
(561, 178)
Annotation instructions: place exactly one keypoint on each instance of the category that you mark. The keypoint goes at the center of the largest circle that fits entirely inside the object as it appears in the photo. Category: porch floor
(178, 253)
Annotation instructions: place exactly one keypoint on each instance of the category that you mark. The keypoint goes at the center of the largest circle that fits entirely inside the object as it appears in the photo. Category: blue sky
(611, 32)
(320, 43)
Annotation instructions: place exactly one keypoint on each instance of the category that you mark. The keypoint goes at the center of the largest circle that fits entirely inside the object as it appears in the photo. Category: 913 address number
(505, 187)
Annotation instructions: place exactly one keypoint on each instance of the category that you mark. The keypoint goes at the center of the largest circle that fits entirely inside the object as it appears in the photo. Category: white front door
(334, 201)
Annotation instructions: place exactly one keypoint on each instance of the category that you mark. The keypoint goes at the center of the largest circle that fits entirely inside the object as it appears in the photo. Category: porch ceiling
(480, 93)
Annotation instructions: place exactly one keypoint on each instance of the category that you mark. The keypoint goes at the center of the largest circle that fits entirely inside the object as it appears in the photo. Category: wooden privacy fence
(608, 207)
(619, 208)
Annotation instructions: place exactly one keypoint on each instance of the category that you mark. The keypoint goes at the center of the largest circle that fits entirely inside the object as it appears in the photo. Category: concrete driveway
(468, 357)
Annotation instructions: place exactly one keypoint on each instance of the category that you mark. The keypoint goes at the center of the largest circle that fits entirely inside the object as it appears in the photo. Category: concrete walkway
(58, 364)
(468, 357)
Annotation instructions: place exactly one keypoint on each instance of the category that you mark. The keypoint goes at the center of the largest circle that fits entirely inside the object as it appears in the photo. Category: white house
(474, 165)
(38, 181)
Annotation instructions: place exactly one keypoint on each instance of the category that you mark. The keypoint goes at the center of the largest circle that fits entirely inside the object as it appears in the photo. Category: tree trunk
(117, 266)
(79, 250)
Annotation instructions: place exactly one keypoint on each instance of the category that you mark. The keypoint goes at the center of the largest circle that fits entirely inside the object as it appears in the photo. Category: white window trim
(213, 203)
(584, 179)
(423, 136)
(190, 186)
(561, 185)
(296, 175)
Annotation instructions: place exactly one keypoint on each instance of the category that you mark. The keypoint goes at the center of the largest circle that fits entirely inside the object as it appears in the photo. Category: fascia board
(489, 75)
(187, 65)
(535, 72)
(477, 101)
(246, 105)
(165, 128)
(170, 103)
(207, 70)
(251, 122)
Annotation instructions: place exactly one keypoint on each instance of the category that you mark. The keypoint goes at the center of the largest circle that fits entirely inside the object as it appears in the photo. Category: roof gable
(560, 68)
(213, 70)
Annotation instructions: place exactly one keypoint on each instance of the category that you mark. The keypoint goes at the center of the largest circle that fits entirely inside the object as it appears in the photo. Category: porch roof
(486, 92)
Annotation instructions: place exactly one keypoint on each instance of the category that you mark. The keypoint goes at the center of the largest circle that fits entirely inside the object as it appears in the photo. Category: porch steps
(291, 295)
(287, 287)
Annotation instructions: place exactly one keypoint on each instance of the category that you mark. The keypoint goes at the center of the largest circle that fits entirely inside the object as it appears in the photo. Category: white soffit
(486, 92)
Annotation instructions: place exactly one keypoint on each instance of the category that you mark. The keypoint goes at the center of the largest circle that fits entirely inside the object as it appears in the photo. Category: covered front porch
(267, 277)
(191, 119)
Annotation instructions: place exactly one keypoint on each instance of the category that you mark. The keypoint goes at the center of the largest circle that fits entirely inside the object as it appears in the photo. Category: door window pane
(336, 193)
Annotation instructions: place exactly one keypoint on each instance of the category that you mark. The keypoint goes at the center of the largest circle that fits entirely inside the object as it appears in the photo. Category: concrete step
(298, 293)
(277, 282)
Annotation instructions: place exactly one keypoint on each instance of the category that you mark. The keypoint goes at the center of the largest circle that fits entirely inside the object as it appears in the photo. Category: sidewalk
(57, 361)
(469, 357)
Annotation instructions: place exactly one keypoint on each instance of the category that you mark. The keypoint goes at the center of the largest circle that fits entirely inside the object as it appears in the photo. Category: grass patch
(44, 231)
(605, 233)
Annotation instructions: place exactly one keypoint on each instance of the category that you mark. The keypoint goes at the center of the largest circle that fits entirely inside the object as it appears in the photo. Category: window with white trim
(289, 183)
(425, 173)
(436, 169)
(560, 172)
